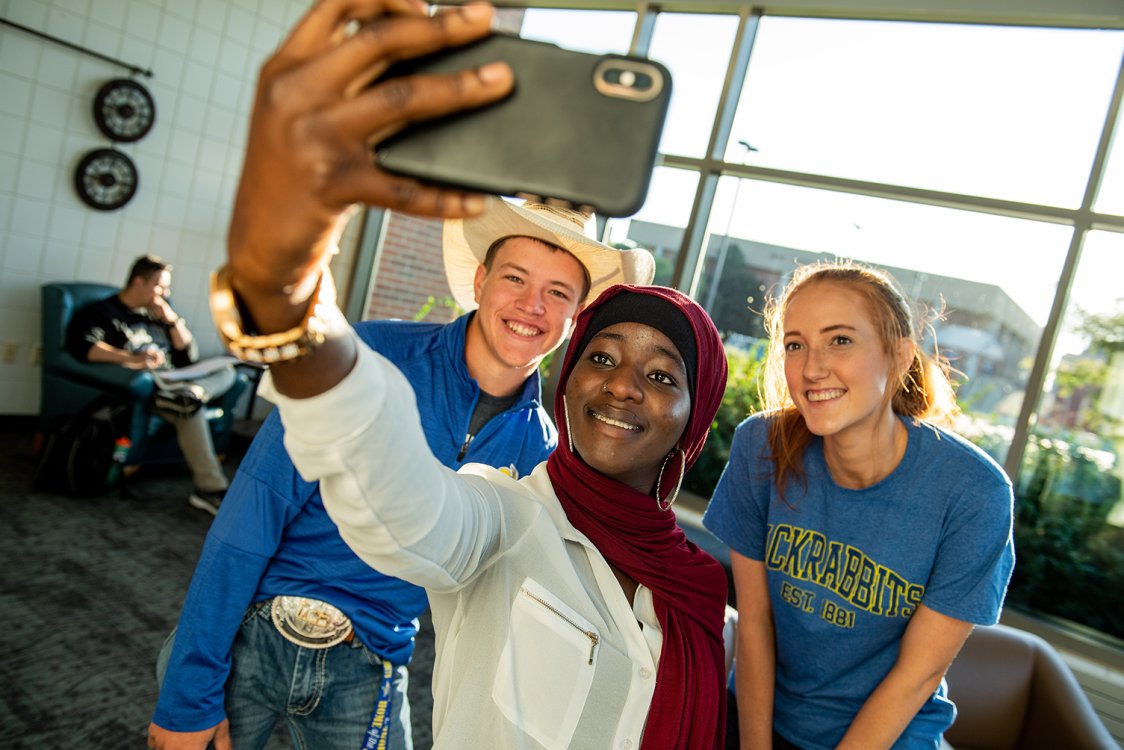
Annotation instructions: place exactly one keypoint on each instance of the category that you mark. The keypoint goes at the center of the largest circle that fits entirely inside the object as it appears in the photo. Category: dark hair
(924, 390)
(490, 258)
(145, 266)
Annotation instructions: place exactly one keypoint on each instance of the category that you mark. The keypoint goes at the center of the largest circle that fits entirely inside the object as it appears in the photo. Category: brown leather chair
(1013, 692)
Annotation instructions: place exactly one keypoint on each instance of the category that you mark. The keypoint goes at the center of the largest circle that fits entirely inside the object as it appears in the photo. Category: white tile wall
(31, 13)
(9, 164)
(204, 55)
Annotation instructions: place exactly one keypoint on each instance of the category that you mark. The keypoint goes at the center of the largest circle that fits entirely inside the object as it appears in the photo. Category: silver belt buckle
(309, 622)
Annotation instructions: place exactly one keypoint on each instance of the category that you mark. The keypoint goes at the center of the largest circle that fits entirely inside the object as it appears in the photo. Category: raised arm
(308, 157)
(178, 332)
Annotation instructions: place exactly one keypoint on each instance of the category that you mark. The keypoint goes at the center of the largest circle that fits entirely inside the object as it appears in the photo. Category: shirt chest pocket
(546, 668)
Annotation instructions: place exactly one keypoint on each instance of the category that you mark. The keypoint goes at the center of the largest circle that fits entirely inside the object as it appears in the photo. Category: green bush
(1070, 560)
(437, 303)
(739, 401)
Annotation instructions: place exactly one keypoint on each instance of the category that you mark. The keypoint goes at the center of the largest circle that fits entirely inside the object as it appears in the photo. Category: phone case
(579, 127)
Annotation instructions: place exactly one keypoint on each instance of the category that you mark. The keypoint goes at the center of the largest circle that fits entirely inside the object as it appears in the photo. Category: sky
(1009, 113)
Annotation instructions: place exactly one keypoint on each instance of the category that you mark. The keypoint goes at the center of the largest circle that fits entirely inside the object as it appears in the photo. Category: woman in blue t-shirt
(866, 539)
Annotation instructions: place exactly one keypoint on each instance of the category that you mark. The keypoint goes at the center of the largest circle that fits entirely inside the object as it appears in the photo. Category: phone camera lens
(628, 79)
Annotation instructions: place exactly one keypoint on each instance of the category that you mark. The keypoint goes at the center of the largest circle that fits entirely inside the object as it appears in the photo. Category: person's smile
(822, 396)
(616, 419)
(522, 329)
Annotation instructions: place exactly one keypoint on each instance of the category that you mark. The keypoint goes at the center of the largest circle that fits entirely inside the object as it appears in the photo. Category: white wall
(204, 55)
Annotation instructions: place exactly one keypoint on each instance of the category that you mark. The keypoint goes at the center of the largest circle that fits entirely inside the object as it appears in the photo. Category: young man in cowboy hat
(282, 619)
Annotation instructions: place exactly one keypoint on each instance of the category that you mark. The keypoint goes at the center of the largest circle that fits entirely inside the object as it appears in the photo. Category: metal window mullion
(1089, 14)
(367, 257)
(1038, 371)
(690, 257)
(689, 263)
(959, 201)
(1104, 145)
(1106, 222)
(748, 22)
(1085, 217)
(642, 32)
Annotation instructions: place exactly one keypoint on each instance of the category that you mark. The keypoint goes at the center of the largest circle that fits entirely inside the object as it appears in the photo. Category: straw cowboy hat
(466, 242)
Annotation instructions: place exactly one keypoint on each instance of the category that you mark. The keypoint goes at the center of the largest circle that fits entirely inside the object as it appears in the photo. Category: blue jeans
(326, 696)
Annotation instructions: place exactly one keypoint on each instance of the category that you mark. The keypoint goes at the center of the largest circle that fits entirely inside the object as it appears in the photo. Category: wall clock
(105, 179)
(124, 110)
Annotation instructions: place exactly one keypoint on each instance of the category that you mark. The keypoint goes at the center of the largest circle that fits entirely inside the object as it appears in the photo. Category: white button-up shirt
(537, 645)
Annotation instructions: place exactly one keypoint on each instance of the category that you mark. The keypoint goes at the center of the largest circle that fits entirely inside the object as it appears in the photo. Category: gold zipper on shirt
(594, 639)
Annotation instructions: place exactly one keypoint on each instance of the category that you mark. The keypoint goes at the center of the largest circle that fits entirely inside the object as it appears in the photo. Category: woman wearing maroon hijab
(569, 608)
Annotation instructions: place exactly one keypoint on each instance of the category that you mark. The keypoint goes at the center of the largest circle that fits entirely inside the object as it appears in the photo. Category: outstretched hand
(315, 120)
(309, 155)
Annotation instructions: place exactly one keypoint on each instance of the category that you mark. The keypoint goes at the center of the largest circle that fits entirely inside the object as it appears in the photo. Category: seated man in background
(137, 329)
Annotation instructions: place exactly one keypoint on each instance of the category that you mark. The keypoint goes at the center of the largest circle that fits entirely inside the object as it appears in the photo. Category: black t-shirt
(488, 406)
(133, 330)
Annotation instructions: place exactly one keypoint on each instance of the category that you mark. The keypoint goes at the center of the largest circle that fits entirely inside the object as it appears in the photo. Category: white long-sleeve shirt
(537, 645)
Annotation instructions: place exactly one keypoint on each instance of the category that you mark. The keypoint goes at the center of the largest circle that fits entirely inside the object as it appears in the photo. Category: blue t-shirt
(272, 535)
(846, 568)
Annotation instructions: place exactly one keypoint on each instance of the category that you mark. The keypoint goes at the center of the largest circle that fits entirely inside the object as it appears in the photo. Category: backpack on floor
(77, 458)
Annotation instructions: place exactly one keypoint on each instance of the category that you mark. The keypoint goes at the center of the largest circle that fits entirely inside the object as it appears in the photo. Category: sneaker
(208, 500)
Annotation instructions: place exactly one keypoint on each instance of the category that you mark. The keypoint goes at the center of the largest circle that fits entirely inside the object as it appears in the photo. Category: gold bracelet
(271, 348)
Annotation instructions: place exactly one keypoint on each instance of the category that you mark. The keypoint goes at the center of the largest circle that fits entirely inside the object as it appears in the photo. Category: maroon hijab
(688, 586)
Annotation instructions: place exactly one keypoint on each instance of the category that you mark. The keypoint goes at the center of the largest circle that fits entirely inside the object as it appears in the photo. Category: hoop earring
(566, 416)
(682, 471)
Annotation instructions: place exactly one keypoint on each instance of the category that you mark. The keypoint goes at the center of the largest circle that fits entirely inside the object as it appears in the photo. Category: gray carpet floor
(89, 588)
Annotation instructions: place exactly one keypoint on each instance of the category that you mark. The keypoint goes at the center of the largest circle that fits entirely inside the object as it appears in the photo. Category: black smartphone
(579, 128)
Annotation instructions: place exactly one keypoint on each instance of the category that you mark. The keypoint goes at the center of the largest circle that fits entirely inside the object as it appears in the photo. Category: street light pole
(712, 291)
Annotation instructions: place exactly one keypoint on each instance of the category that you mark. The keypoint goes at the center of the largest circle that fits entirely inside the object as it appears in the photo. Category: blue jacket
(272, 535)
